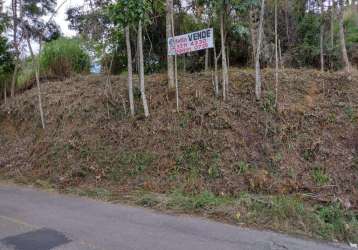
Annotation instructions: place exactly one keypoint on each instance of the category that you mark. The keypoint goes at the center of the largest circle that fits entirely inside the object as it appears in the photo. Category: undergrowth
(63, 57)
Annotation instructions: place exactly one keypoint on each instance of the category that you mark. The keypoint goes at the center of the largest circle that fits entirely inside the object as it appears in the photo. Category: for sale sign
(199, 40)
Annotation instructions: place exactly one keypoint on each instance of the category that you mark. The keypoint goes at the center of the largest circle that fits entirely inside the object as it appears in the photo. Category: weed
(190, 159)
(337, 223)
(292, 214)
(85, 152)
(204, 200)
(242, 167)
(214, 168)
(349, 113)
(292, 173)
(320, 176)
(116, 111)
(274, 162)
(130, 164)
(43, 184)
(185, 119)
(95, 193)
(287, 208)
(269, 102)
(332, 118)
(309, 154)
(148, 200)
(277, 209)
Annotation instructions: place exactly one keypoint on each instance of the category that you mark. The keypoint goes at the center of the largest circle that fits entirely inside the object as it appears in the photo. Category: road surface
(38, 220)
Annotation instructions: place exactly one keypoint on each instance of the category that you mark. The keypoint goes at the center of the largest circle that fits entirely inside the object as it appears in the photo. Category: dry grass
(308, 145)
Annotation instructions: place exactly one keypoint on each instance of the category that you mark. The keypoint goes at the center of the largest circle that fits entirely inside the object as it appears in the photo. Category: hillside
(307, 148)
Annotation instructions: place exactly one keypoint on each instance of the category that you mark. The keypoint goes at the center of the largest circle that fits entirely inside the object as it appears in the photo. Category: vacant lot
(292, 168)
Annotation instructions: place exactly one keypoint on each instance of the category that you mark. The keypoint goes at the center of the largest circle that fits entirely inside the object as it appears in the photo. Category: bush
(63, 57)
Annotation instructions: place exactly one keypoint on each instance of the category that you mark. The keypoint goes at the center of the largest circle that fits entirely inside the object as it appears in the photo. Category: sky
(60, 18)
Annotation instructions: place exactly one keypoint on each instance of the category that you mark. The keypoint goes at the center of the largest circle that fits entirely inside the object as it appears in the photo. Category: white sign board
(199, 40)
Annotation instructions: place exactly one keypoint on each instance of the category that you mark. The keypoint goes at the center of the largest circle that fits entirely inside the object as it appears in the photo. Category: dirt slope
(308, 145)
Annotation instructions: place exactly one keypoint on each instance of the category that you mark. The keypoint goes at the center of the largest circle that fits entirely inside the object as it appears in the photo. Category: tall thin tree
(258, 87)
(321, 2)
(175, 66)
(225, 72)
(130, 70)
(276, 53)
(35, 66)
(347, 64)
(141, 69)
(170, 58)
(16, 7)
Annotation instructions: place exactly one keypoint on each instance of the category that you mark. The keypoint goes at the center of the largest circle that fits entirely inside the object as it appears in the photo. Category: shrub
(63, 57)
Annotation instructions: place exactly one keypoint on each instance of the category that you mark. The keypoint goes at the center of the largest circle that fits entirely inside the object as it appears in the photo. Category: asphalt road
(37, 220)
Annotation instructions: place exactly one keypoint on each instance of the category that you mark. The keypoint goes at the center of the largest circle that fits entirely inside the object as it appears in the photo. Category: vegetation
(248, 131)
(62, 57)
(6, 58)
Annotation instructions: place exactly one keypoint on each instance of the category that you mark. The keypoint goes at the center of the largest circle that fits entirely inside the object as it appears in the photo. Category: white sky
(60, 18)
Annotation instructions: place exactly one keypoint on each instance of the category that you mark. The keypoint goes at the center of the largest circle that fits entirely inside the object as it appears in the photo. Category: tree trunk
(170, 59)
(34, 63)
(287, 23)
(276, 54)
(228, 56)
(322, 36)
(216, 75)
(5, 93)
(206, 60)
(141, 69)
(175, 68)
(253, 30)
(280, 54)
(332, 25)
(342, 38)
(223, 56)
(14, 6)
(258, 52)
(130, 71)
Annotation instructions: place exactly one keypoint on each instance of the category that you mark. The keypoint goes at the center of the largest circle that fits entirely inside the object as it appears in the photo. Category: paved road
(37, 220)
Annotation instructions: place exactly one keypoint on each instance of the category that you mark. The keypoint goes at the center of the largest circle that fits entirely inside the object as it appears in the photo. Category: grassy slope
(292, 169)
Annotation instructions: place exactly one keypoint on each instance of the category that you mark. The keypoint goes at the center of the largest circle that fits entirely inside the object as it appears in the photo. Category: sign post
(195, 41)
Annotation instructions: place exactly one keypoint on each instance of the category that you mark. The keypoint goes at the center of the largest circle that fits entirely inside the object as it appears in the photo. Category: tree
(276, 52)
(130, 70)
(170, 59)
(342, 38)
(141, 69)
(121, 20)
(258, 52)
(321, 3)
(125, 13)
(16, 7)
(6, 57)
(32, 27)
(223, 51)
